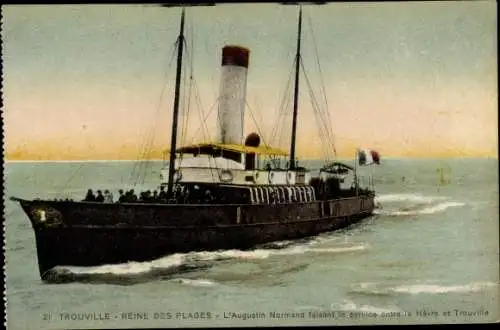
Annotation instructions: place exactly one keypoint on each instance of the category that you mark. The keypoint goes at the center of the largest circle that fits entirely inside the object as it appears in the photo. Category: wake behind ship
(233, 193)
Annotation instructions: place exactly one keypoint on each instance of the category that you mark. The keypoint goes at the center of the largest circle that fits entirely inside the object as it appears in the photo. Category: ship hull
(90, 234)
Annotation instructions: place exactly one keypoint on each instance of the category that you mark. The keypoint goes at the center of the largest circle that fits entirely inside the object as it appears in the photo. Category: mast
(296, 94)
(173, 139)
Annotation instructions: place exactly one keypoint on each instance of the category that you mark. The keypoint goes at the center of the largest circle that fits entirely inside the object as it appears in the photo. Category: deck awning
(208, 148)
(337, 167)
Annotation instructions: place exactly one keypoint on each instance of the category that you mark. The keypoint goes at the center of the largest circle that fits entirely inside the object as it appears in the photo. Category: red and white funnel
(232, 97)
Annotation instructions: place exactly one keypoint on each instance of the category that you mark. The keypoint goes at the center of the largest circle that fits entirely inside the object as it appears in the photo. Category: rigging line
(314, 100)
(138, 165)
(321, 127)
(148, 144)
(204, 119)
(145, 141)
(255, 122)
(321, 76)
(323, 123)
(186, 102)
(281, 111)
(286, 113)
(326, 126)
(204, 126)
(281, 120)
(193, 83)
(319, 122)
(322, 131)
(318, 63)
(147, 167)
(91, 145)
(283, 129)
(260, 118)
(71, 179)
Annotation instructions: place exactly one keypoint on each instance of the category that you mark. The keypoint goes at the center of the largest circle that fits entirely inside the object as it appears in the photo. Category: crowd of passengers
(197, 195)
(180, 195)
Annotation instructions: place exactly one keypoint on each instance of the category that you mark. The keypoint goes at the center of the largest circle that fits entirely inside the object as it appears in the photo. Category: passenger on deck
(162, 195)
(99, 198)
(90, 196)
(147, 196)
(130, 196)
(108, 197)
(121, 199)
(208, 196)
(178, 191)
(155, 196)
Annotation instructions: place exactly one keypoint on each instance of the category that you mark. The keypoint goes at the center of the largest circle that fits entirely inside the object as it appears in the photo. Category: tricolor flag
(368, 157)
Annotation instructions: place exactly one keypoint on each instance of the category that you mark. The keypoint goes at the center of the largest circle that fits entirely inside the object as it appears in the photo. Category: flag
(368, 157)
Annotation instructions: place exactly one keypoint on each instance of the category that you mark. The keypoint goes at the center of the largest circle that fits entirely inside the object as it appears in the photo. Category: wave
(415, 210)
(173, 265)
(370, 289)
(278, 245)
(419, 198)
(351, 306)
(437, 289)
(264, 254)
(195, 282)
(132, 267)
(335, 237)
(412, 289)
(179, 259)
(355, 248)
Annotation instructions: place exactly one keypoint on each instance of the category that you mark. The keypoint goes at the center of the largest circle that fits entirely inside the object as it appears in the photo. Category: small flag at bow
(368, 157)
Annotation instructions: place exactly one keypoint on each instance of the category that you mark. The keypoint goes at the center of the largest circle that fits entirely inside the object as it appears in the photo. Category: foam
(196, 282)
(132, 267)
(178, 260)
(439, 289)
(351, 306)
(427, 210)
(413, 289)
(419, 198)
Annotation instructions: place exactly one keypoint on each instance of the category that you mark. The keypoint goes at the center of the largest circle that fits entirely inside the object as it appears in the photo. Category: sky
(408, 79)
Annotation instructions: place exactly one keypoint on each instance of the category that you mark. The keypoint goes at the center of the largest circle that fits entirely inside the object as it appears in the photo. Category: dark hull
(89, 234)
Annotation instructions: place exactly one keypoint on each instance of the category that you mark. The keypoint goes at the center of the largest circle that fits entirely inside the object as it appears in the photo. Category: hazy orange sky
(405, 78)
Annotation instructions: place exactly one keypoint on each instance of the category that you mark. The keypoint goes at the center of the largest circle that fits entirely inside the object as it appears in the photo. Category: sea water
(429, 254)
